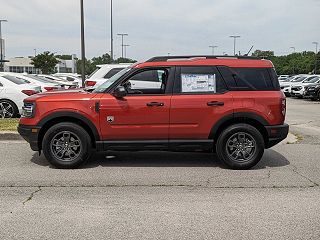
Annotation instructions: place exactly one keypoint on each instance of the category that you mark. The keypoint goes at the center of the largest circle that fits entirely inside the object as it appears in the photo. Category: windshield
(300, 79)
(309, 79)
(43, 80)
(313, 80)
(94, 72)
(15, 80)
(108, 83)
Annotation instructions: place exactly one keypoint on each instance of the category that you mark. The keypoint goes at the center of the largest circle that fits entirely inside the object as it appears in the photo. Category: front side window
(202, 79)
(150, 81)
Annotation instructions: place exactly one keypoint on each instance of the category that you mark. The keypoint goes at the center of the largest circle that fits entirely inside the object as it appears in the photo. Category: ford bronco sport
(229, 105)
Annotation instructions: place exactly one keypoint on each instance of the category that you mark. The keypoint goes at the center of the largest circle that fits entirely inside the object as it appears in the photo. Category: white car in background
(285, 85)
(58, 80)
(297, 90)
(12, 93)
(283, 77)
(102, 74)
(45, 85)
(70, 77)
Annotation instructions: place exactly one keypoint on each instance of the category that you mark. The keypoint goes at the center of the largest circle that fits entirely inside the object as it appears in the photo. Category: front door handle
(155, 104)
(215, 104)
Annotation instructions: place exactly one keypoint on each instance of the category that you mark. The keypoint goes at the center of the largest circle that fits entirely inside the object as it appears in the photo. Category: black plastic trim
(164, 145)
(32, 138)
(72, 115)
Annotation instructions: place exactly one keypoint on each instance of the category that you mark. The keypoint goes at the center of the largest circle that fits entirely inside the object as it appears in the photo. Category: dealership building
(23, 65)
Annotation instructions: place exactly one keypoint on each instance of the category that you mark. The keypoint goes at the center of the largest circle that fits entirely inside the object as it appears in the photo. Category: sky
(159, 27)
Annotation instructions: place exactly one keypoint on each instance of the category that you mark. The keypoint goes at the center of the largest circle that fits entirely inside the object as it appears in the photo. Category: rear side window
(112, 72)
(261, 79)
(199, 80)
(15, 80)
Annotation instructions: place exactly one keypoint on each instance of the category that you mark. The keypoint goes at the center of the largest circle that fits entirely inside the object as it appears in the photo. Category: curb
(11, 136)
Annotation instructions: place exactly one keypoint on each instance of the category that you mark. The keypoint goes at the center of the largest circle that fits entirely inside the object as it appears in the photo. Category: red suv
(229, 105)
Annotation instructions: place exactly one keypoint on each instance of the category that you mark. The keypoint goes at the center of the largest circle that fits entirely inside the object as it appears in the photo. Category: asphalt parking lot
(167, 195)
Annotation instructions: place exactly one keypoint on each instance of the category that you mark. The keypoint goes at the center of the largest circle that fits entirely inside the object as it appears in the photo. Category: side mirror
(120, 92)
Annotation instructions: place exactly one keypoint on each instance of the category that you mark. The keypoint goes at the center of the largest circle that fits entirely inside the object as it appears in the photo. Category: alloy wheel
(6, 110)
(66, 146)
(241, 147)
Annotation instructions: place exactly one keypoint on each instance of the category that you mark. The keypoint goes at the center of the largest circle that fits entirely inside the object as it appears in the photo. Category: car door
(143, 114)
(200, 99)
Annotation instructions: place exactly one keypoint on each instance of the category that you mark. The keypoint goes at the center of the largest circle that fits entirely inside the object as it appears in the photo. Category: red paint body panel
(263, 103)
(192, 118)
(133, 119)
(76, 101)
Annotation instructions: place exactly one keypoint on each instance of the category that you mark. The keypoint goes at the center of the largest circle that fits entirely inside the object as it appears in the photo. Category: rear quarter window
(259, 79)
(112, 72)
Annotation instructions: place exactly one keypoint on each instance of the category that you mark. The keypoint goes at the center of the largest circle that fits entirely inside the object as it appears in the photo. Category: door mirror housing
(120, 92)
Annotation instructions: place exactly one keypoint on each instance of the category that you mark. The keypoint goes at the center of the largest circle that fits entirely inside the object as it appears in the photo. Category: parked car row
(15, 87)
(301, 86)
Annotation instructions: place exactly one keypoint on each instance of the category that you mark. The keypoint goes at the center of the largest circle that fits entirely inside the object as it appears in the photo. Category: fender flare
(234, 116)
(74, 115)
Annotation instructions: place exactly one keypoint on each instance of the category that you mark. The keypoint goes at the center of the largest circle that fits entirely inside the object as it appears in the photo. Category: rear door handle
(155, 104)
(215, 104)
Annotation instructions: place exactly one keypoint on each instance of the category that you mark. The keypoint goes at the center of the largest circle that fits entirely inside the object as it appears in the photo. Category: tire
(237, 156)
(8, 109)
(67, 145)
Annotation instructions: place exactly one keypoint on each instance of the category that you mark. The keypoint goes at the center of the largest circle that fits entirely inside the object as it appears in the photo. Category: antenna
(249, 51)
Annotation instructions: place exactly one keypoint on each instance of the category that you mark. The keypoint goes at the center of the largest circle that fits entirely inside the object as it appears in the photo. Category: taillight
(29, 92)
(283, 106)
(90, 83)
(50, 88)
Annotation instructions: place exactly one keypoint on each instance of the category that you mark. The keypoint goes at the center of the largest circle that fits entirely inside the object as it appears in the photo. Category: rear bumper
(276, 134)
(30, 134)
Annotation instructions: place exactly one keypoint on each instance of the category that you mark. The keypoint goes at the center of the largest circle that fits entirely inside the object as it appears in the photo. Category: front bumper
(276, 134)
(30, 134)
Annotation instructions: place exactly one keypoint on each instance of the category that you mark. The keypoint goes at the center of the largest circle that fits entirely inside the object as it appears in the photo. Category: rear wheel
(8, 109)
(240, 146)
(67, 145)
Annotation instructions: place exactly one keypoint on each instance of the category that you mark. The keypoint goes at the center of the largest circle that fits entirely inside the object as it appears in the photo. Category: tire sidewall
(83, 137)
(224, 137)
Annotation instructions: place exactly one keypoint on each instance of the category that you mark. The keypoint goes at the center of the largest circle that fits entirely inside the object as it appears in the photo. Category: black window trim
(134, 71)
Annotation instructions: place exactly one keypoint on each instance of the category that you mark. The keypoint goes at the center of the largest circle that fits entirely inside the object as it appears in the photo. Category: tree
(46, 62)
(125, 60)
(263, 54)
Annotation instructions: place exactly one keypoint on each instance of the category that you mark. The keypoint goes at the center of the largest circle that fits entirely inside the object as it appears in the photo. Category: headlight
(28, 110)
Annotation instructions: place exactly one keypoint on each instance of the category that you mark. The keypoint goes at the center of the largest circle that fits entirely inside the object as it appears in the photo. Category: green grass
(9, 124)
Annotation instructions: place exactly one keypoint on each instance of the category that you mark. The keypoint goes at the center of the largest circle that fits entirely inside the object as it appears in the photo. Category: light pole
(234, 43)
(125, 50)
(111, 14)
(35, 52)
(1, 47)
(122, 46)
(213, 47)
(83, 51)
(293, 67)
(315, 61)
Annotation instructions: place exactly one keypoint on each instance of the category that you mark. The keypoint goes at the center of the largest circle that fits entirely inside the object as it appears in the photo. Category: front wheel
(240, 146)
(67, 145)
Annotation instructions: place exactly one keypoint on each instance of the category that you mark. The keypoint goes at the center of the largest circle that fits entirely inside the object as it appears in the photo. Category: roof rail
(172, 58)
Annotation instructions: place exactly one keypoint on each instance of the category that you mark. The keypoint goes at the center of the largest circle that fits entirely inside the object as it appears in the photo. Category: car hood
(62, 95)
